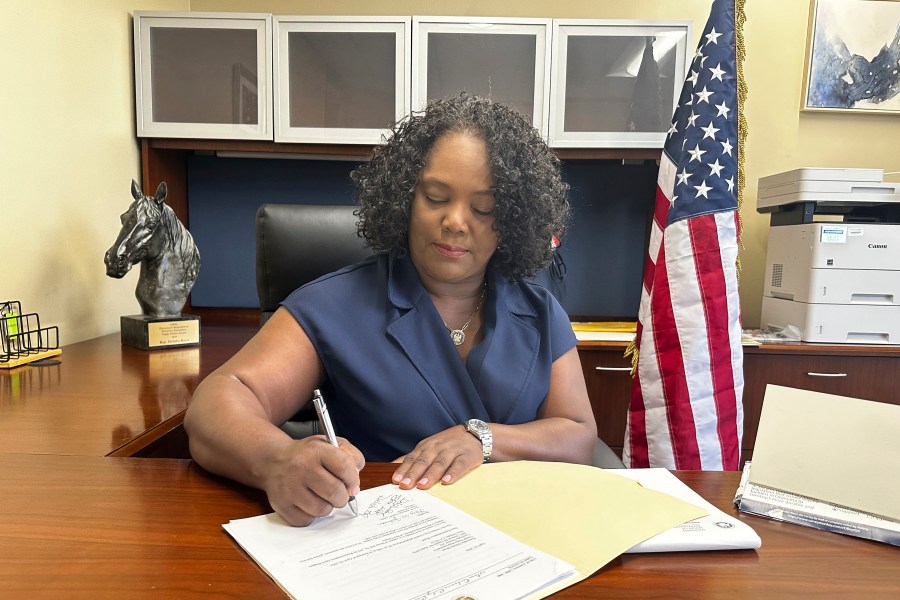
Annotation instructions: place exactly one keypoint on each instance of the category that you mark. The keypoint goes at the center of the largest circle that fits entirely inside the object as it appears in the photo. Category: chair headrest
(298, 243)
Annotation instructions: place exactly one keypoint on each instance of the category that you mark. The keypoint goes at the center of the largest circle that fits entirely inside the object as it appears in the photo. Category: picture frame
(852, 53)
(595, 68)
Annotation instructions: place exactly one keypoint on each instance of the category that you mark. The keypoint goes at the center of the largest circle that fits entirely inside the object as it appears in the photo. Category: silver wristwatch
(480, 429)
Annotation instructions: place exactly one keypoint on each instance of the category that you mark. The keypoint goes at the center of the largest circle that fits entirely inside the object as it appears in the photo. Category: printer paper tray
(834, 323)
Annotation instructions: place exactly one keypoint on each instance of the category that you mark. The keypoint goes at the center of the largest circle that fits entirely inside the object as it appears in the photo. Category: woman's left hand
(443, 457)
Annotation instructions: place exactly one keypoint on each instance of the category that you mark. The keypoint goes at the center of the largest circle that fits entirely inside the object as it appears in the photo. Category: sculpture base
(152, 333)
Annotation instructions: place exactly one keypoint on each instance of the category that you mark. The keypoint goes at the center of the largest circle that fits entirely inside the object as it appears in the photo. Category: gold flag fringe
(632, 351)
(740, 52)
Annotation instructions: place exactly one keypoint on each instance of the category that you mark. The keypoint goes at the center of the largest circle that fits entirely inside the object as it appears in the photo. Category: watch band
(482, 431)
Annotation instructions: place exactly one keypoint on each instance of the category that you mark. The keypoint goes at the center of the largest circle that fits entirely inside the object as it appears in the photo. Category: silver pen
(325, 421)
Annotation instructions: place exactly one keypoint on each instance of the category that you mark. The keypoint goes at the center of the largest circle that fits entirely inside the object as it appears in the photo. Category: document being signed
(403, 545)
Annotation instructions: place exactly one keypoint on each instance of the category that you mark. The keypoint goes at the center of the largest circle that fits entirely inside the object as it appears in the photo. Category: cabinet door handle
(827, 374)
(614, 369)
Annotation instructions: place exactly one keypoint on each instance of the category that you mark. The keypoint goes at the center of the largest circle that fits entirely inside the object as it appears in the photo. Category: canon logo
(877, 245)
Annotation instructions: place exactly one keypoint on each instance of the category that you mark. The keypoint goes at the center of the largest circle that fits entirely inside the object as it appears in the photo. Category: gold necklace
(459, 335)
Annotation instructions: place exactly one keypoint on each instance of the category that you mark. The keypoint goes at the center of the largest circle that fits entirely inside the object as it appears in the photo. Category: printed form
(403, 545)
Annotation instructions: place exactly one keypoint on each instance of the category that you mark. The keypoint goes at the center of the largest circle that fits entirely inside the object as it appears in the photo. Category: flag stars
(703, 95)
(726, 147)
(672, 129)
(696, 153)
(698, 59)
(723, 110)
(715, 168)
(709, 131)
(712, 37)
(683, 177)
(692, 120)
(693, 77)
(730, 183)
(702, 189)
(717, 72)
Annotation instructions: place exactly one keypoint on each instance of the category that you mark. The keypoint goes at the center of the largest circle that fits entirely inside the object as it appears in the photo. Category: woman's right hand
(309, 477)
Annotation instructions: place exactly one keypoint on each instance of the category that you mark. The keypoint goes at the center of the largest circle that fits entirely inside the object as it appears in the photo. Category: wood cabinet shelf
(165, 159)
(364, 150)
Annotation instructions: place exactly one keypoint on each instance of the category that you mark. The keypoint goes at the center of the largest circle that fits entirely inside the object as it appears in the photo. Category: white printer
(833, 260)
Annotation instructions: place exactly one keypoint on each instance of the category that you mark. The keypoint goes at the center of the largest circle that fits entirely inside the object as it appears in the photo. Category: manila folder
(831, 448)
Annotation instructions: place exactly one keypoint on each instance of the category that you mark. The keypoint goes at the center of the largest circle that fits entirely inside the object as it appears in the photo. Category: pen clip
(324, 419)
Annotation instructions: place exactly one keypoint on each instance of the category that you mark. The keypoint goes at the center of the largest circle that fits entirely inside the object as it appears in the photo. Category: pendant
(458, 336)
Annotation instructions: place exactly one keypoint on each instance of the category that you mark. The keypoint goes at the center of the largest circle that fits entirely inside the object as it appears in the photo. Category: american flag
(685, 410)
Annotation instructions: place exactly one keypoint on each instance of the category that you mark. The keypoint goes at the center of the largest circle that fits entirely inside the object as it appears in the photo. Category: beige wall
(68, 153)
(67, 157)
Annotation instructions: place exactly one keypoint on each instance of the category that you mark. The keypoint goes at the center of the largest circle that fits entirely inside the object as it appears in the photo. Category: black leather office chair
(297, 243)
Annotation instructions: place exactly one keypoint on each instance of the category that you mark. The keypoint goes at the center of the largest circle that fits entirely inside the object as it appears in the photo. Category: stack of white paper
(715, 531)
(409, 543)
(506, 530)
(802, 510)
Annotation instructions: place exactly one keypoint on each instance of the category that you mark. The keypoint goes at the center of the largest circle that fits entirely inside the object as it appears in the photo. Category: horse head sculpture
(152, 235)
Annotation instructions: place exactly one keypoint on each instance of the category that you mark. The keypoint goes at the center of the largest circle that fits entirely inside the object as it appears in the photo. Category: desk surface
(105, 398)
(96, 527)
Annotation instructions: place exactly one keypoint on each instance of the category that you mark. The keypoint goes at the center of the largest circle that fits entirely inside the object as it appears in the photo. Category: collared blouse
(394, 376)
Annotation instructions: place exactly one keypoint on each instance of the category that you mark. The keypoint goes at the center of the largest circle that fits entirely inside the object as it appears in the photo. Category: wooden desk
(108, 399)
(866, 372)
(95, 527)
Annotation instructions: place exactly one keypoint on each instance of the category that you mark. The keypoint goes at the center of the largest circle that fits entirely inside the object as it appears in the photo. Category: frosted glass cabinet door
(507, 59)
(340, 79)
(604, 94)
(203, 75)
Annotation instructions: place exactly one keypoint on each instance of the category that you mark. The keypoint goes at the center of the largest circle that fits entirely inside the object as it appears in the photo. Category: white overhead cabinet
(340, 79)
(615, 83)
(507, 59)
(584, 83)
(203, 75)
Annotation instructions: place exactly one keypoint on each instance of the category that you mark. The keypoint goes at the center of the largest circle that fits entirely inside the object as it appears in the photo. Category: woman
(434, 353)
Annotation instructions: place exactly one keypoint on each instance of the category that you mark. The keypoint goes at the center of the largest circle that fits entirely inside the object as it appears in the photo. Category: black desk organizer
(22, 339)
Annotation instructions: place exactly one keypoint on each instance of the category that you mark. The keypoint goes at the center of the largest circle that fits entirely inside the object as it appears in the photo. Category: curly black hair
(531, 198)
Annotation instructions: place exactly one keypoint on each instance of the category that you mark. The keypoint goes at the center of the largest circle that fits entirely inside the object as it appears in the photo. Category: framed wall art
(853, 57)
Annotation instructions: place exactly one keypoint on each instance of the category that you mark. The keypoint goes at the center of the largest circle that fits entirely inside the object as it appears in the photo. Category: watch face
(482, 431)
(477, 426)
